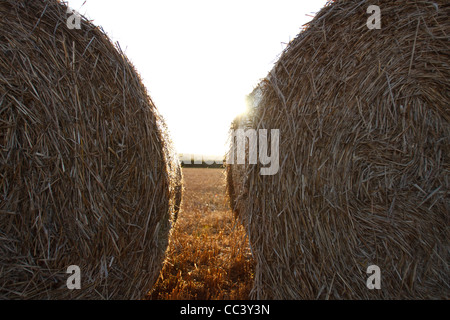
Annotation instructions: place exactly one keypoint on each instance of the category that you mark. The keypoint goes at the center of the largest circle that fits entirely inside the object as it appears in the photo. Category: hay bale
(235, 172)
(87, 175)
(174, 171)
(364, 158)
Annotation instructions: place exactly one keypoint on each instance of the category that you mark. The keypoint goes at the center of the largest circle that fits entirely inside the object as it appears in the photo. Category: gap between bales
(208, 257)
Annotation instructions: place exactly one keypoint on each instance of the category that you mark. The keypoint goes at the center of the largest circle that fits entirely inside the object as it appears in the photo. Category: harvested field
(208, 255)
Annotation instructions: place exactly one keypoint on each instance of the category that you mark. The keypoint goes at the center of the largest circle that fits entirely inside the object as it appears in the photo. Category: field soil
(208, 256)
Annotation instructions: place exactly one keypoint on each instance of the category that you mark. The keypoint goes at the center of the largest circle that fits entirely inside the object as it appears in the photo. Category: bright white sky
(200, 58)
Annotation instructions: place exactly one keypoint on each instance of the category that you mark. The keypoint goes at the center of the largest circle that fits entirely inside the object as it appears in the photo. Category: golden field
(208, 256)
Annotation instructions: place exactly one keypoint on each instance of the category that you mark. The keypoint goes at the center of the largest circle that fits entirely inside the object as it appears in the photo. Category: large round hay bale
(364, 147)
(87, 176)
(235, 172)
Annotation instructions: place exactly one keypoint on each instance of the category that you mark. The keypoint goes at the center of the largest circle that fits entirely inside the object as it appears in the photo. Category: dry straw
(87, 173)
(364, 158)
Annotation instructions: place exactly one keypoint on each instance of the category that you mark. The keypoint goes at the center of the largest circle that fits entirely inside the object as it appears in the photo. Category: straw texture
(364, 158)
(88, 176)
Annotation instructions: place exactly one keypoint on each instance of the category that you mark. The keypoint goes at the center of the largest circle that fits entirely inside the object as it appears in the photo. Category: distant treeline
(203, 165)
(199, 161)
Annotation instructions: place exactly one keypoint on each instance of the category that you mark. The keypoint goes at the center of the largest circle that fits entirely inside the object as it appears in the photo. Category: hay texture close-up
(364, 147)
(88, 176)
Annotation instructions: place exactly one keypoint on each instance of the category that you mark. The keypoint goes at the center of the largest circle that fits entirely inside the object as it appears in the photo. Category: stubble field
(208, 257)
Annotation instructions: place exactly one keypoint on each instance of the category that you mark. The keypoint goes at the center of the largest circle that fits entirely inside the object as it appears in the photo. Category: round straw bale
(235, 173)
(364, 148)
(88, 177)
